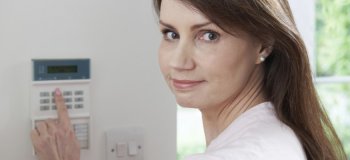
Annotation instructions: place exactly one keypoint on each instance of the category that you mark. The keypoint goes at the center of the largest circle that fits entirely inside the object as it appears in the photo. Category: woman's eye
(210, 36)
(170, 35)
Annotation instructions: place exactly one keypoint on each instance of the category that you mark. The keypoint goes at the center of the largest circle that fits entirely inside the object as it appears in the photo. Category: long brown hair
(287, 80)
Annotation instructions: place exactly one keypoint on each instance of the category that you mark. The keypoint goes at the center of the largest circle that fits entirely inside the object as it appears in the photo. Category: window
(325, 27)
(332, 63)
(190, 133)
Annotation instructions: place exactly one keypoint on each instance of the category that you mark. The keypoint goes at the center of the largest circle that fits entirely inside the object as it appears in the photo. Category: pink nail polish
(58, 92)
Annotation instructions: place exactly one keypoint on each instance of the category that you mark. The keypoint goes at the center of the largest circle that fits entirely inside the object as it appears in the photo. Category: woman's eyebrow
(166, 25)
(196, 26)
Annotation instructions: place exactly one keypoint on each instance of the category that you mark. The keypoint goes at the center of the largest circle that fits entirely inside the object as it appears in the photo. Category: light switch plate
(125, 143)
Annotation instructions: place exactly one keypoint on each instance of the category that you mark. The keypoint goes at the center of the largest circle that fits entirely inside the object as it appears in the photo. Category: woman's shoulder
(256, 135)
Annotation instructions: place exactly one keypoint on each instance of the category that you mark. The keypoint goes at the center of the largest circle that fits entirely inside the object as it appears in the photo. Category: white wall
(304, 14)
(120, 37)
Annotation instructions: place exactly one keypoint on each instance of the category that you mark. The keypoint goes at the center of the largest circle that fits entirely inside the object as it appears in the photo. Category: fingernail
(58, 92)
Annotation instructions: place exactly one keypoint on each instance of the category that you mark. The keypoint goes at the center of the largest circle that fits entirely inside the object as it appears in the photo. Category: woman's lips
(185, 84)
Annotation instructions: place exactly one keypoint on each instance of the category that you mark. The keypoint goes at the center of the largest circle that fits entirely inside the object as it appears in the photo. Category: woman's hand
(55, 139)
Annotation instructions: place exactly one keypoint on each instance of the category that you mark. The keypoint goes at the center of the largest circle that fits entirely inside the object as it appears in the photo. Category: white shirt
(257, 134)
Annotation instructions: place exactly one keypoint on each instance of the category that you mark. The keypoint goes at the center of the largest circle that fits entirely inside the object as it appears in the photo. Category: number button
(79, 106)
(68, 100)
(67, 93)
(44, 108)
(79, 99)
(44, 94)
(69, 106)
(78, 93)
(44, 101)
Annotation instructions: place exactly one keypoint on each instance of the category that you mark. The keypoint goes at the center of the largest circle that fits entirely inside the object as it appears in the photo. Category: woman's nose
(182, 59)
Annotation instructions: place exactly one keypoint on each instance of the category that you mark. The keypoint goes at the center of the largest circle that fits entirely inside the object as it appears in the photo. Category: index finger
(62, 112)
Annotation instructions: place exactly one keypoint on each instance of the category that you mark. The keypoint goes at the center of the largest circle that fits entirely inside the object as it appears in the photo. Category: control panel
(72, 77)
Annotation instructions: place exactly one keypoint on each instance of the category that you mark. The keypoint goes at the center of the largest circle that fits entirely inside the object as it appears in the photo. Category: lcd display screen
(62, 69)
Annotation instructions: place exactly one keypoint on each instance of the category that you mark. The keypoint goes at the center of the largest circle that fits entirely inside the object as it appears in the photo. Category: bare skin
(55, 139)
(217, 120)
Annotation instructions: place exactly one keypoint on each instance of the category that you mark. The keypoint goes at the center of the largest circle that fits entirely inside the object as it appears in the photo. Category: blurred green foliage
(333, 59)
(189, 148)
(333, 37)
(335, 96)
(190, 133)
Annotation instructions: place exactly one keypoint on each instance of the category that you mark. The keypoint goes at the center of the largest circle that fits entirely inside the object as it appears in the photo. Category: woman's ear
(265, 51)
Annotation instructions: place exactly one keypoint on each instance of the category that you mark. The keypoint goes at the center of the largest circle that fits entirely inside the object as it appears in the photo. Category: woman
(246, 53)
(245, 67)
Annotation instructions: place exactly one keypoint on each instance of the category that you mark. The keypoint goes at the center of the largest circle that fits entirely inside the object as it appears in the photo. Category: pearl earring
(262, 58)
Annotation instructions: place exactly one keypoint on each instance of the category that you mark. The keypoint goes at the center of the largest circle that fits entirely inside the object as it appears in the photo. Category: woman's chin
(186, 106)
(186, 103)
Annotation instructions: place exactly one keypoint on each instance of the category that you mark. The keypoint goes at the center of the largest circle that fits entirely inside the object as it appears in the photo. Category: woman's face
(203, 65)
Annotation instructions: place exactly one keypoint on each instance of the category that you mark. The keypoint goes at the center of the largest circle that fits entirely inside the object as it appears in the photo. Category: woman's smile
(185, 85)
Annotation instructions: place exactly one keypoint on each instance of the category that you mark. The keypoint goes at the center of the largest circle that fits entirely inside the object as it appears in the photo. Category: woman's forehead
(175, 11)
(181, 14)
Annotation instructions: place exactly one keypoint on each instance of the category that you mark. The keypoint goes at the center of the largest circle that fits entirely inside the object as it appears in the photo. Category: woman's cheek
(163, 58)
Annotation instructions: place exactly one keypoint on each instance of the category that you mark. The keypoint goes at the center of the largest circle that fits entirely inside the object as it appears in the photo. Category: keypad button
(44, 108)
(44, 94)
(80, 126)
(54, 107)
(53, 100)
(81, 131)
(67, 93)
(78, 106)
(68, 100)
(84, 144)
(79, 99)
(44, 101)
(53, 93)
(81, 135)
(78, 93)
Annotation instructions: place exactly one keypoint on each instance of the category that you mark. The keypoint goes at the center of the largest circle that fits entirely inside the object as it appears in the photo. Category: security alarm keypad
(72, 99)
(72, 77)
